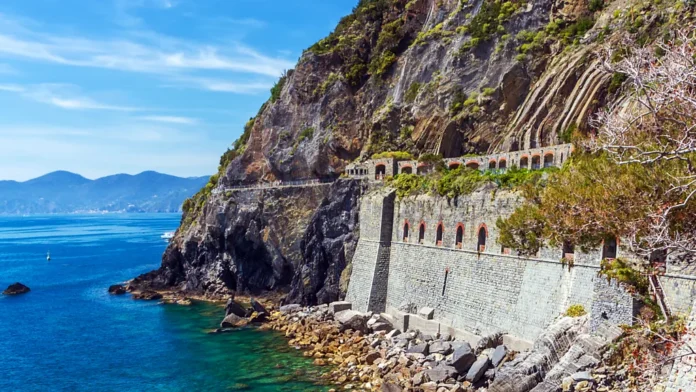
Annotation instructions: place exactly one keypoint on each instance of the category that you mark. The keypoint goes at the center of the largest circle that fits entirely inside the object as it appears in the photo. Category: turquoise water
(69, 334)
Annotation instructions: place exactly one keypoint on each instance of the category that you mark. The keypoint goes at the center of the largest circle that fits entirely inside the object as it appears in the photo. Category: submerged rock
(233, 321)
(147, 295)
(117, 289)
(16, 289)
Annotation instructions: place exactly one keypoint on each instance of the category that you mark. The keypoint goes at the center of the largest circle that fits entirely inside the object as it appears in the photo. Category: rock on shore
(16, 289)
(117, 289)
(367, 357)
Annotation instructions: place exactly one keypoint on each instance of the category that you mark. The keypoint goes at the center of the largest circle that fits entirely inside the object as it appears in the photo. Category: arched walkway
(536, 162)
(524, 162)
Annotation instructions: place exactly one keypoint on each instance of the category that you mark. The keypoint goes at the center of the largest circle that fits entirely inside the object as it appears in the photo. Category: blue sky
(100, 87)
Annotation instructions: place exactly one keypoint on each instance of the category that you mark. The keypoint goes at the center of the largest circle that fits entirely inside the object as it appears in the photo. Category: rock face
(256, 241)
(395, 75)
(117, 289)
(16, 289)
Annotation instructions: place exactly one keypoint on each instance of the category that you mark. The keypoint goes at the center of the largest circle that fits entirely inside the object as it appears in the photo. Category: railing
(274, 184)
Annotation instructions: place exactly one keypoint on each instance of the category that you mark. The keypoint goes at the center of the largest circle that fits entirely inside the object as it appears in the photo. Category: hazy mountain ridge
(66, 192)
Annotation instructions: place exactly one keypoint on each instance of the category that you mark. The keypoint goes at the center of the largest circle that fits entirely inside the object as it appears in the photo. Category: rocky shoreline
(365, 352)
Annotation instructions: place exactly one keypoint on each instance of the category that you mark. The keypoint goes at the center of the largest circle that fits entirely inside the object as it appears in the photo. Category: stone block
(426, 313)
(498, 355)
(478, 369)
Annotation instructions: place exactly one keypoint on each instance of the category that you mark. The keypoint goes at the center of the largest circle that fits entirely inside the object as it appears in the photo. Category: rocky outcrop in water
(260, 240)
(16, 289)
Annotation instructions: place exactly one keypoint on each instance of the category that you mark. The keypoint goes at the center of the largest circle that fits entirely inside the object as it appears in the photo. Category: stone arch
(482, 237)
(502, 164)
(380, 171)
(568, 250)
(439, 234)
(548, 159)
(610, 248)
(472, 165)
(492, 164)
(524, 162)
(421, 232)
(407, 228)
(536, 161)
(459, 237)
(422, 169)
(454, 165)
(561, 157)
(407, 169)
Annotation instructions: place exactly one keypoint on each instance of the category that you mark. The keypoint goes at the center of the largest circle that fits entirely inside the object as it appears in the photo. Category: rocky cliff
(423, 76)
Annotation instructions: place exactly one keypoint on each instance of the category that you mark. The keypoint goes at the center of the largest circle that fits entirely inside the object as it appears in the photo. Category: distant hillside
(65, 192)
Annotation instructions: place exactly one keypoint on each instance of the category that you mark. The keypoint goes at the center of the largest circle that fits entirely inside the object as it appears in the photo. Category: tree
(655, 127)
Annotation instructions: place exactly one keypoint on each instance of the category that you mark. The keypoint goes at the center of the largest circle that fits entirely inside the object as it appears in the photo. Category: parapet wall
(477, 289)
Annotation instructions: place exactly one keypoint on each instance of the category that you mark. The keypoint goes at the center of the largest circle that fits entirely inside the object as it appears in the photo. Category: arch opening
(405, 232)
(380, 171)
(438, 236)
(454, 165)
(609, 249)
(524, 163)
(407, 170)
(421, 233)
(568, 250)
(548, 160)
(536, 162)
(459, 238)
(422, 170)
(502, 165)
(482, 239)
(491, 165)
(473, 165)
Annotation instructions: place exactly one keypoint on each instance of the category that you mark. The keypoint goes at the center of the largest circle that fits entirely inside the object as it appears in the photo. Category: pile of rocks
(368, 353)
(237, 316)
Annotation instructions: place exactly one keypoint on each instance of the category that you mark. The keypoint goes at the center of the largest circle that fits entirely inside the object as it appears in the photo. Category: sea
(69, 334)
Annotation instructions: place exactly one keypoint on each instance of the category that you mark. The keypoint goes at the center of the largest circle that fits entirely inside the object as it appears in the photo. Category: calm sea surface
(69, 334)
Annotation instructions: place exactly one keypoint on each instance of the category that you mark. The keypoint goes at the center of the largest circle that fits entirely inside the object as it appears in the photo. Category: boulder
(257, 317)
(232, 307)
(498, 355)
(489, 341)
(582, 376)
(441, 373)
(463, 358)
(389, 387)
(378, 323)
(351, 319)
(418, 349)
(117, 289)
(292, 308)
(16, 289)
(392, 333)
(258, 308)
(148, 295)
(233, 321)
(339, 306)
(440, 347)
(371, 357)
(478, 369)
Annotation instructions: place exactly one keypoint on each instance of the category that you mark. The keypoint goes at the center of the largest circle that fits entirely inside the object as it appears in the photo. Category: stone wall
(477, 289)
(683, 375)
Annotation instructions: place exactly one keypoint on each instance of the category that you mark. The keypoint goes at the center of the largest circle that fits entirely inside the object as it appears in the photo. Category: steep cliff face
(254, 241)
(424, 76)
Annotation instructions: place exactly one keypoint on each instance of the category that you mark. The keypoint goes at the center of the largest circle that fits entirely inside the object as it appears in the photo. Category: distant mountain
(66, 192)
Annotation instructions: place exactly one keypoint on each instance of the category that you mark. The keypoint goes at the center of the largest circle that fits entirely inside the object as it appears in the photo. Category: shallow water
(69, 334)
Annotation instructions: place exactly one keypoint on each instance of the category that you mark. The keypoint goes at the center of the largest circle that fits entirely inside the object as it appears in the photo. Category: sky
(100, 87)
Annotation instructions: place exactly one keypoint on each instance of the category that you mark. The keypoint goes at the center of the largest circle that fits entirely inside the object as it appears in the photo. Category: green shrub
(412, 92)
(409, 184)
(621, 271)
(575, 311)
(381, 64)
(330, 80)
(488, 91)
(306, 133)
(278, 87)
(596, 5)
(399, 155)
(617, 80)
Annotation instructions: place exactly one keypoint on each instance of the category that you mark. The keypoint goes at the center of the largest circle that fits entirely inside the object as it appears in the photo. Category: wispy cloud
(152, 53)
(62, 96)
(171, 119)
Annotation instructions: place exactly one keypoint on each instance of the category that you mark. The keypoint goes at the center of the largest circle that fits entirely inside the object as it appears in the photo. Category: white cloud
(62, 96)
(152, 53)
(171, 119)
